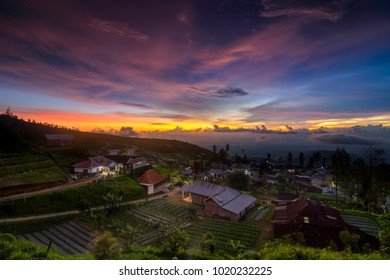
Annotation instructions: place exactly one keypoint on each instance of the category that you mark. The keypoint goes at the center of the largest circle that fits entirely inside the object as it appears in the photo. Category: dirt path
(48, 190)
(75, 212)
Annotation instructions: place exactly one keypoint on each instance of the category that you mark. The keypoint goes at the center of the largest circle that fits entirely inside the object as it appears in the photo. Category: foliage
(70, 199)
(13, 249)
(112, 201)
(222, 232)
(238, 180)
(106, 246)
(350, 241)
(176, 240)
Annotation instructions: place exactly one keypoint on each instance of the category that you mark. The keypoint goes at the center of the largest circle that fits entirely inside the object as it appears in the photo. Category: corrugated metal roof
(82, 164)
(226, 196)
(136, 160)
(239, 203)
(203, 188)
(229, 199)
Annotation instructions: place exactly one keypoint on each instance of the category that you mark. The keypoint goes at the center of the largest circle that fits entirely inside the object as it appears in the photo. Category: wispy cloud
(227, 92)
(330, 10)
(118, 28)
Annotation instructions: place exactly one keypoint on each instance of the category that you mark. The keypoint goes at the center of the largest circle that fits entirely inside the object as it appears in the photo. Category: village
(74, 193)
(225, 205)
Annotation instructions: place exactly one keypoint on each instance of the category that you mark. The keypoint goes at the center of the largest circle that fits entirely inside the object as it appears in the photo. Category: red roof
(151, 177)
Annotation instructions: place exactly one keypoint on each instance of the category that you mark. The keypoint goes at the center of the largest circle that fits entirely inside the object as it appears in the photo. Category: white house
(94, 165)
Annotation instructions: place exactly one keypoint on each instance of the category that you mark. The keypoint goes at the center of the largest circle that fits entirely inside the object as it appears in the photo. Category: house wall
(149, 187)
(81, 170)
(198, 199)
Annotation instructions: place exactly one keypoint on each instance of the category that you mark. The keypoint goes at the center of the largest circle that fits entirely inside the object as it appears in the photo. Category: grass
(70, 199)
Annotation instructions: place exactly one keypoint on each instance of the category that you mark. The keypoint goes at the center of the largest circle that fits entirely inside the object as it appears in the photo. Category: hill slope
(25, 159)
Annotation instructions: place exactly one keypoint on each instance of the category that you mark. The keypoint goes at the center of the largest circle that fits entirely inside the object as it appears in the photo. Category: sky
(319, 69)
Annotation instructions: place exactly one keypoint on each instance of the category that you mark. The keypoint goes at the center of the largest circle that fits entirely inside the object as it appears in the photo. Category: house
(220, 201)
(201, 190)
(320, 225)
(155, 182)
(122, 166)
(59, 140)
(216, 173)
(230, 204)
(322, 178)
(128, 151)
(137, 162)
(95, 165)
(113, 152)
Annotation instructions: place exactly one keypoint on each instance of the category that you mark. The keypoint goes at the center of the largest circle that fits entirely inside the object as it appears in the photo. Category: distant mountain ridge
(21, 136)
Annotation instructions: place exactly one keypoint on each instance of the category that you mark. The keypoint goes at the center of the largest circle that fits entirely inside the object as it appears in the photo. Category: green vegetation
(238, 180)
(223, 232)
(28, 169)
(13, 249)
(70, 199)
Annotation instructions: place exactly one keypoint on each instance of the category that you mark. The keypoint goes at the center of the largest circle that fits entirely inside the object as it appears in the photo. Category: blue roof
(239, 204)
(226, 196)
(229, 199)
(203, 188)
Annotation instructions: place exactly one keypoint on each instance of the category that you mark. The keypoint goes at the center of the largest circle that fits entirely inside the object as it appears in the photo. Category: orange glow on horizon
(88, 122)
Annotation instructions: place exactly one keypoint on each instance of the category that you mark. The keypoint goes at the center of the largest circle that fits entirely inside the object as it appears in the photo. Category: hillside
(26, 160)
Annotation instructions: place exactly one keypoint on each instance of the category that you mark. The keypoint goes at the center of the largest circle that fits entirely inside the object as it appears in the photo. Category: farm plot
(366, 224)
(223, 232)
(257, 214)
(69, 238)
(160, 214)
(27, 169)
(167, 208)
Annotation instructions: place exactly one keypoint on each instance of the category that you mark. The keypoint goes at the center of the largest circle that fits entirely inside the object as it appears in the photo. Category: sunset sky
(137, 66)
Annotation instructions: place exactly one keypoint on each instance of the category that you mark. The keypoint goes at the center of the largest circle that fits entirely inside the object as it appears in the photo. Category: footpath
(75, 212)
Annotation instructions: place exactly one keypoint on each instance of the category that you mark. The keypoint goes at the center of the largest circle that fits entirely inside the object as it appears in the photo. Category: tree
(106, 246)
(112, 202)
(176, 240)
(227, 148)
(341, 168)
(130, 233)
(238, 180)
(289, 159)
(301, 159)
(208, 242)
(374, 158)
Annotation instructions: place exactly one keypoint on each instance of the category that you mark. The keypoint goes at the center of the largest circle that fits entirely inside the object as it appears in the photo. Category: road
(75, 212)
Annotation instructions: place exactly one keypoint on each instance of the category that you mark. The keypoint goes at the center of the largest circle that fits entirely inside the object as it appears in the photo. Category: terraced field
(224, 232)
(67, 239)
(28, 169)
(366, 224)
(159, 214)
(256, 214)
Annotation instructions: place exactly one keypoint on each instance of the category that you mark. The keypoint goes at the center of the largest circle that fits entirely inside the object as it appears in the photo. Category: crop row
(25, 167)
(223, 232)
(167, 208)
(16, 159)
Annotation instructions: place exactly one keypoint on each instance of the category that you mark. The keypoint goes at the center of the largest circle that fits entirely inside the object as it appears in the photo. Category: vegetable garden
(224, 232)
